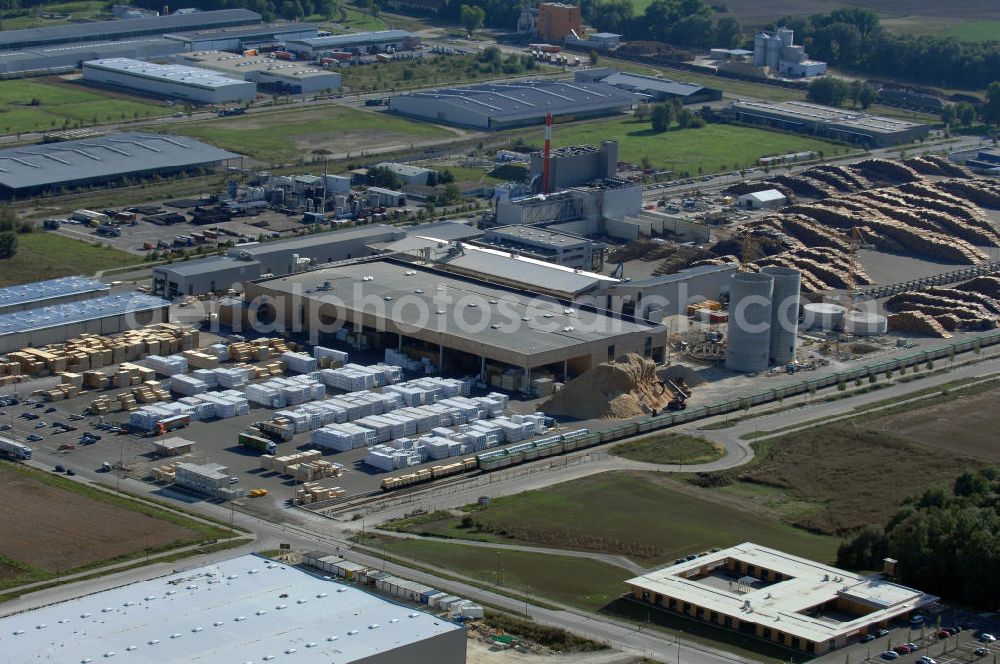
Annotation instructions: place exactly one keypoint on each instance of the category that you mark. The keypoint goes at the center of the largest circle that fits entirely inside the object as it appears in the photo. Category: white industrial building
(245, 609)
(207, 478)
(778, 52)
(171, 81)
(776, 596)
(768, 199)
(272, 76)
(355, 42)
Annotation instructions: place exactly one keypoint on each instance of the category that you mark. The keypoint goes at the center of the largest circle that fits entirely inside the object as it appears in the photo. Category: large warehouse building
(775, 596)
(264, 36)
(33, 169)
(247, 262)
(49, 292)
(269, 74)
(58, 322)
(496, 106)
(651, 87)
(245, 609)
(466, 324)
(828, 122)
(171, 81)
(355, 42)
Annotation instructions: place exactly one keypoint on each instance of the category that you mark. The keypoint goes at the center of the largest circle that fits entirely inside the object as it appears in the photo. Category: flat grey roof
(682, 275)
(364, 232)
(244, 609)
(104, 156)
(528, 273)
(444, 230)
(193, 76)
(536, 234)
(641, 83)
(203, 266)
(355, 38)
(263, 30)
(527, 99)
(411, 288)
(815, 113)
(132, 27)
(77, 312)
(51, 288)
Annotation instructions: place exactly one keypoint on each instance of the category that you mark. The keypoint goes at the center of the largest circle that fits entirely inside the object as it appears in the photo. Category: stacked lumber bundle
(10, 373)
(166, 473)
(93, 351)
(100, 406)
(311, 492)
(257, 350)
(129, 374)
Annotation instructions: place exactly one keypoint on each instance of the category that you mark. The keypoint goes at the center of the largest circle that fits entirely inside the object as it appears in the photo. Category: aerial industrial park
(424, 331)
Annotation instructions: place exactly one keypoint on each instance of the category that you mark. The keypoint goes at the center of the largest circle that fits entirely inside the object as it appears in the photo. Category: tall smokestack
(548, 153)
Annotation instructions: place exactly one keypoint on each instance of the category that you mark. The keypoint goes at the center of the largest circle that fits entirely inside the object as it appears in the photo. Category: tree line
(946, 542)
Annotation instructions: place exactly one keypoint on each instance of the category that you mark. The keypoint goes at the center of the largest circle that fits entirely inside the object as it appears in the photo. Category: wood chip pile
(627, 387)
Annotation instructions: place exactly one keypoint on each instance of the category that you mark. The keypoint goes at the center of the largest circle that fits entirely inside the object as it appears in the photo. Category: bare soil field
(965, 426)
(754, 12)
(55, 530)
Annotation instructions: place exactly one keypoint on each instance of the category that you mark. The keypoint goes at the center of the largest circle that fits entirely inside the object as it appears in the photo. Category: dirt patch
(56, 530)
(965, 426)
(627, 387)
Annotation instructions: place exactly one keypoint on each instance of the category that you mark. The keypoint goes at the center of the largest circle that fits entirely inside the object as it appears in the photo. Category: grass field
(669, 448)
(286, 136)
(835, 478)
(61, 104)
(42, 255)
(55, 526)
(583, 583)
(85, 9)
(711, 149)
(641, 515)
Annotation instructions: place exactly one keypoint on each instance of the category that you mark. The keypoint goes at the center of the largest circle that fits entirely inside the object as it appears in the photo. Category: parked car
(926, 660)
(883, 632)
(51, 409)
(70, 471)
(5, 427)
(33, 438)
(943, 634)
(60, 469)
(987, 638)
(902, 649)
(912, 646)
(868, 638)
(40, 425)
(981, 652)
(890, 655)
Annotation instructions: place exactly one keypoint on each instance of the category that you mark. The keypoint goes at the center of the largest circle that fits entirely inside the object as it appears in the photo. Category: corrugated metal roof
(648, 84)
(355, 38)
(51, 288)
(133, 27)
(101, 157)
(245, 609)
(76, 312)
(202, 78)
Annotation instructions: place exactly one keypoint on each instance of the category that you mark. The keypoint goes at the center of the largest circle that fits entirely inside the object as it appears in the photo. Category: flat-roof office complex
(793, 601)
(828, 122)
(469, 324)
(33, 169)
(245, 609)
(172, 81)
(496, 106)
(549, 245)
(269, 74)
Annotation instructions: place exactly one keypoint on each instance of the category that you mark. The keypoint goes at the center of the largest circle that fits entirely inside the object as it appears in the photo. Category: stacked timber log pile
(988, 285)
(962, 307)
(803, 186)
(917, 322)
(980, 191)
(900, 207)
(885, 171)
(838, 177)
(822, 268)
(933, 165)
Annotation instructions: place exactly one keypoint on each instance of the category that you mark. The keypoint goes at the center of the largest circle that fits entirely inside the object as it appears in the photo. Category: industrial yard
(381, 331)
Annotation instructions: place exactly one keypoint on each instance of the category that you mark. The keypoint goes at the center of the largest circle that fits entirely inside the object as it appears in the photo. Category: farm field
(669, 448)
(56, 526)
(581, 582)
(85, 9)
(287, 136)
(835, 478)
(711, 149)
(64, 105)
(644, 516)
(43, 255)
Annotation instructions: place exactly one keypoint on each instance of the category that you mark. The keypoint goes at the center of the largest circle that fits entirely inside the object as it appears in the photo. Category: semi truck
(254, 441)
(171, 424)
(14, 450)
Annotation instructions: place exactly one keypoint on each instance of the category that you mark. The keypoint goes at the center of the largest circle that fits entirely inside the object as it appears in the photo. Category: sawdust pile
(627, 387)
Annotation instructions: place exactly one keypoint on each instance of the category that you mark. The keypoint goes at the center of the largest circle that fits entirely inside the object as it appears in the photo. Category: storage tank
(865, 324)
(823, 316)
(749, 345)
(784, 312)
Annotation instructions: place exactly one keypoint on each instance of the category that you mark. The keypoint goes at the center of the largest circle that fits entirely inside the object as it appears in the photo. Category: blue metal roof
(77, 312)
(45, 290)
(354, 38)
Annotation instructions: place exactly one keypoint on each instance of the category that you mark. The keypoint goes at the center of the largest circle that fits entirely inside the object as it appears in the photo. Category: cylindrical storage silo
(865, 324)
(749, 345)
(823, 316)
(784, 312)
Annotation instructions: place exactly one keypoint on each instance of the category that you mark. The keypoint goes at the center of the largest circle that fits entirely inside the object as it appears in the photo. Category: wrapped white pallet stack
(343, 437)
(335, 356)
(187, 385)
(299, 362)
(232, 378)
(170, 365)
(208, 376)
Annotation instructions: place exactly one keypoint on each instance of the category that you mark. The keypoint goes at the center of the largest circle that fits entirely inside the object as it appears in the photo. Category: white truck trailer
(14, 449)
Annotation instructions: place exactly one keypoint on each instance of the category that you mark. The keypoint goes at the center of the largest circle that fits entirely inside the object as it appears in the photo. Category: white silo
(823, 316)
(760, 49)
(784, 312)
(749, 346)
(865, 324)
